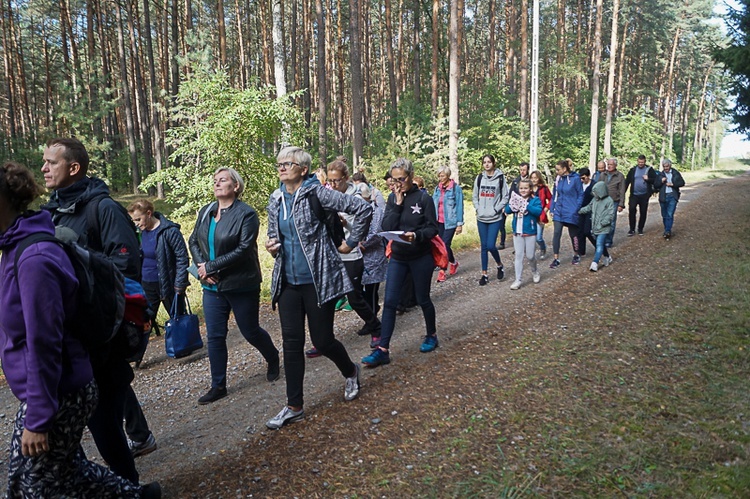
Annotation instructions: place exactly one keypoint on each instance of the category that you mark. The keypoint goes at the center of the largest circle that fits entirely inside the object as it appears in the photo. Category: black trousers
(639, 203)
(355, 269)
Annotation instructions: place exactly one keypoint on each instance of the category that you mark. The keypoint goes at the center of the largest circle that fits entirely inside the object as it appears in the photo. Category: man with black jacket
(640, 178)
(83, 204)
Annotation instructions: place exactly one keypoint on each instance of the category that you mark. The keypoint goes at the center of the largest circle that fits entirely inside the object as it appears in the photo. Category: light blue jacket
(453, 204)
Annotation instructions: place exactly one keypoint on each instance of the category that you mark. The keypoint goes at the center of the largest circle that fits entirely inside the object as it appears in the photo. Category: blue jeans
(667, 211)
(244, 304)
(488, 238)
(421, 274)
(540, 236)
(601, 248)
(611, 234)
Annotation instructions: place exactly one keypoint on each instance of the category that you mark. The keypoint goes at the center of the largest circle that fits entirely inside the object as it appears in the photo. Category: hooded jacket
(313, 243)
(601, 208)
(567, 198)
(41, 360)
(373, 249)
(235, 244)
(529, 220)
(416, 214)
(117, 236)
(490, 196)
(171, 257)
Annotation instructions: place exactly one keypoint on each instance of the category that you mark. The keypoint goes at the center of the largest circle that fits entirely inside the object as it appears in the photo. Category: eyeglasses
(336, 181)
(286, 166)
(400, 180)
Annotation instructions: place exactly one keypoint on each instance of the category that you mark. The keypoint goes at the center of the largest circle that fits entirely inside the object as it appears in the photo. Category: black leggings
(557, 235)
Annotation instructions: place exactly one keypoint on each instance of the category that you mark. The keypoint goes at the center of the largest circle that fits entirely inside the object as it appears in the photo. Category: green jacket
(602, 209)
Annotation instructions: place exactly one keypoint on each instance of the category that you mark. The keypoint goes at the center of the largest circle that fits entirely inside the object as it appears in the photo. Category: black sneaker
(139, 449)
(667, 235)
(213, 395)
(500, 273)
(273, 372)
(312, 353)
(631, 233)
(640, 232)
(483, 280)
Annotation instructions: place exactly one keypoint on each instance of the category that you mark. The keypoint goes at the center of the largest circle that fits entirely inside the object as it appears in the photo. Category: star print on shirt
(416, 209)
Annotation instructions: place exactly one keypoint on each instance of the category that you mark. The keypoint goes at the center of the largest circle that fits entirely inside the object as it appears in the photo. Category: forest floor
(631, 381)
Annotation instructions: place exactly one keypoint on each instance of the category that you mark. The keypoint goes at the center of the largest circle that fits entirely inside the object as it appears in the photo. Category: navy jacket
(171, 257)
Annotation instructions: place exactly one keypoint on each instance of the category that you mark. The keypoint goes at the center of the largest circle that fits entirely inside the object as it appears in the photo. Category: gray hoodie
(490, 195)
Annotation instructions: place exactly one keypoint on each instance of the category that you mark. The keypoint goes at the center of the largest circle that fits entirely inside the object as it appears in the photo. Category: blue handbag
(182, 334)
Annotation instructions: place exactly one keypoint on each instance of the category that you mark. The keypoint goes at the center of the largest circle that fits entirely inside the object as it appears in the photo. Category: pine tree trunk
(595, 88)
(435, 52)
(391, 63)
(322, 91)
(355, 59)
(611, 81)
(222, 34)
(125, 89)
(524, 58)
(153, 95)
(415, 51)
(453, 88)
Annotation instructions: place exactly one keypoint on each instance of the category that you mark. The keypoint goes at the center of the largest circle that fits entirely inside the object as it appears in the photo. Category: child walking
(526, 209)
(601, 208)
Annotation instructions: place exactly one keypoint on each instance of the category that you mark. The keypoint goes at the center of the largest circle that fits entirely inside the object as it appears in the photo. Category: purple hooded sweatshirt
(42, 361)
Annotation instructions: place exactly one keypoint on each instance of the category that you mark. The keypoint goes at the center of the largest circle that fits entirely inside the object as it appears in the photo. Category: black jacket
(416, 214)
(171, 257)
(630, 180)
(236, 245)
(661, 184)
(116, 237)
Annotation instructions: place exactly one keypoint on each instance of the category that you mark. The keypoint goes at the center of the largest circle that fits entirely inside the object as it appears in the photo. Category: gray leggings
(524, 246)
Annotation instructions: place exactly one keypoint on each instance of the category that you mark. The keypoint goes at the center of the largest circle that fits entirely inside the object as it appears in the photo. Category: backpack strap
(316, 207)
(479, 181)
(93, 227)
(28, 241)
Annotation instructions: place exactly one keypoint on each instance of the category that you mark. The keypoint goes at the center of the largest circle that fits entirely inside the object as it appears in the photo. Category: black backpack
(329, 218)
(100, 295)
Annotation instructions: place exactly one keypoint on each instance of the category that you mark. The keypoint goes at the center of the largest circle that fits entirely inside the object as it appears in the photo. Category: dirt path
(224, 449)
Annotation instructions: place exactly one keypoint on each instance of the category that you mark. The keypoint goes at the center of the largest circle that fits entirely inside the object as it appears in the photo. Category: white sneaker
(537, 277)
(351, 389)
(284, 417)
(515, 285)
(542, 254)
(594, 267)
(607, 261)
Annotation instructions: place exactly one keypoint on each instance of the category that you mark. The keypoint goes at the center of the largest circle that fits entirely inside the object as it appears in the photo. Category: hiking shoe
(453, 268)
(594, 267)
(441, 276)
(375, 342)
(429, 343)
(537, 277)
(500, 273)
(213, 395)
(366, 330)
(286, 416)
(273, 371)
(640, 232)
(576, 260)
(483, 280)
(515, 285)
(542, 254)
(151, 491)
(555, 263)
(376, 358)
(139, 449)
(312, 353)
(351, 389)
(607, 260)
(667, 235)
(631, 233)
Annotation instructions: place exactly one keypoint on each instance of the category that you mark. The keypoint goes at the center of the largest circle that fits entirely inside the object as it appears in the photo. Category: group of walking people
(325, 233)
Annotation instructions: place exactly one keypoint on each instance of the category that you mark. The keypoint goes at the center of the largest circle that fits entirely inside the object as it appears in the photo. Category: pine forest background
(164, 91)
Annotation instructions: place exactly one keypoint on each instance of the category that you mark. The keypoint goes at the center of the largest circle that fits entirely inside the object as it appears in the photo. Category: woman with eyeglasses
(224, 246)
(308, 274)
(412, 212)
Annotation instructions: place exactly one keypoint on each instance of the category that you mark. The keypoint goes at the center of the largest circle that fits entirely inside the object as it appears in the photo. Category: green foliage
(636, 132)
(220, 126)
(736, 58)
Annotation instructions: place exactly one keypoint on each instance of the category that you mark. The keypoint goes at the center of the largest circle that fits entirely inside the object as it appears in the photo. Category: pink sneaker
(441, 275)
(453, 268)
